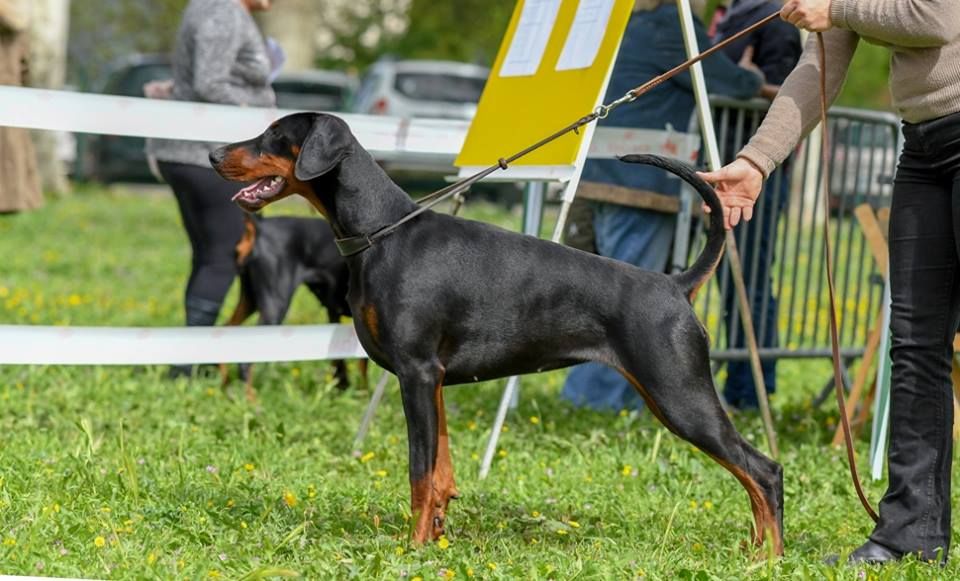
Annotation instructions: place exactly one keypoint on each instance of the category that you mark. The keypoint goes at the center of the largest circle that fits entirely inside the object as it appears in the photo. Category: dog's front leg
(418, 387)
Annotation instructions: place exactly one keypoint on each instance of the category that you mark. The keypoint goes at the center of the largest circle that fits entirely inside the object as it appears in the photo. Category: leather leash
(828, 261)
(351, 245)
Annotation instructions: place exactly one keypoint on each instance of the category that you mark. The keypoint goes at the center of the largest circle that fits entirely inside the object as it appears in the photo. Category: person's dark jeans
(758, 252)
(925, 293)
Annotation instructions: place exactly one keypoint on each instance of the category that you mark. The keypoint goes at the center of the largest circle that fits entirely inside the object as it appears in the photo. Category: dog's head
(284, 159)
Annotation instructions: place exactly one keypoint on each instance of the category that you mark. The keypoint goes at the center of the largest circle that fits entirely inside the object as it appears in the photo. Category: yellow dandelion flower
(367, 457)
(56, 507)
(417, 578)
(504, 429)
(248, 467)
(624, 413)
(534, 420)
(290, 499)
(74, 300)
(449, 574)
(707, 505)
(231, 503)
(443, 542)
(492, 566)
(474, 456)
(693, 505)
(627, 470)
(295, 372)
(469, 572)
(213, 574)
(697, 547)
(573, 523)
(99, 542)
(502, 453)
(471, 425)
(535, 514)
(311, 491)
(243, 524)
(380, 473)
(151, 558)
(9, 542)
(398, 551)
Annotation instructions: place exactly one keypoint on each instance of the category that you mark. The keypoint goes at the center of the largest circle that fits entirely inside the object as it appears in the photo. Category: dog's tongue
(250, 191)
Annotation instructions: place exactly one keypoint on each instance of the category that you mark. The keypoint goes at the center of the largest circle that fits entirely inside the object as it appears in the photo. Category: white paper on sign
(586, 35)
(530, 39)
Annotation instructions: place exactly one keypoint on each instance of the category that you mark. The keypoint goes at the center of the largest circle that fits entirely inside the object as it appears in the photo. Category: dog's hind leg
(431, 472)
(683, 397)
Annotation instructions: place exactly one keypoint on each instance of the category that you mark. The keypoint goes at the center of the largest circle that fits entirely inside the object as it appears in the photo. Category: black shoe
(869, 553)
(200, 313)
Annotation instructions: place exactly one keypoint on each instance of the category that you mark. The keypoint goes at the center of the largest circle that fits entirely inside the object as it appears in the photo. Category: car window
(439, 87)
(310, 96)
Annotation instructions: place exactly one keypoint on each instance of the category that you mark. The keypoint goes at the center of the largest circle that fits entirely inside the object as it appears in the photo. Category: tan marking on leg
(444, 486)
(421, 505)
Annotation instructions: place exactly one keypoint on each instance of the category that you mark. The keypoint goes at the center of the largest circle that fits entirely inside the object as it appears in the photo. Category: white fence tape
(38, 345)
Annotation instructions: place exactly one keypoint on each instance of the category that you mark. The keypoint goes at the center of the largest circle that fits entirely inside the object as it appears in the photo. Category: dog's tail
(700, 271)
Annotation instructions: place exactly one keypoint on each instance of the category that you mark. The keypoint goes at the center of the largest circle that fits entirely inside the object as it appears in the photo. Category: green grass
(118, 473)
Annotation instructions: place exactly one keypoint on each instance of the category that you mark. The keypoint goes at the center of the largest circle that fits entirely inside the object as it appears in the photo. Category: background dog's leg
(418, 387)
(363, 366)
(686, 401)
(245, 307)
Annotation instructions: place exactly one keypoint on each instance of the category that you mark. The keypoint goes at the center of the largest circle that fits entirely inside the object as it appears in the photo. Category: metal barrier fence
(782, 247)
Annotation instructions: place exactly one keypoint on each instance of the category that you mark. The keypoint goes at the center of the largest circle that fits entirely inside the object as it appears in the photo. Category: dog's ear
(328, 142)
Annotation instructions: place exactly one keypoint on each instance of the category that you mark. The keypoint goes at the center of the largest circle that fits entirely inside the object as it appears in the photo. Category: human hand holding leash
(738, 185)
(812, 15)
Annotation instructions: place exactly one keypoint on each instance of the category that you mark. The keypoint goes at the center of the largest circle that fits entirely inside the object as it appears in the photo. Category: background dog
(275, 257)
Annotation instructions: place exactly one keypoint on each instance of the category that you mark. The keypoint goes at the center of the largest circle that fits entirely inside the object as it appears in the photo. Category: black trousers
(925, 293)
(214, 225)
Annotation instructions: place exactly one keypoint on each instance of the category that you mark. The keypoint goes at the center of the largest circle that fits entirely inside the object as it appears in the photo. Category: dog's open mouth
(260, 192)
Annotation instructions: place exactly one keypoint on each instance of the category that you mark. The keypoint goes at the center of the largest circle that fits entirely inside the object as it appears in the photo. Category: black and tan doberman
(444, 301)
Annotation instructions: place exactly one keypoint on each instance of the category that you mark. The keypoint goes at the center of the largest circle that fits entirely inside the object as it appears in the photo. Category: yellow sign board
(551, 69)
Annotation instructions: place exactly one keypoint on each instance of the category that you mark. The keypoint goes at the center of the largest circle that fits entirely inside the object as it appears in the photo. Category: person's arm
(907, 23)
(215, 51)
(796, 110)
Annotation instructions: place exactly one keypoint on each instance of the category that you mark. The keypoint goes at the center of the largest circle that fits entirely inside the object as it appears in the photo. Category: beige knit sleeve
(796, 109)
(906, 23)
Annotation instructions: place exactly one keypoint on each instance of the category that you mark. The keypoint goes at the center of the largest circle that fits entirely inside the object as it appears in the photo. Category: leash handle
(834, 335)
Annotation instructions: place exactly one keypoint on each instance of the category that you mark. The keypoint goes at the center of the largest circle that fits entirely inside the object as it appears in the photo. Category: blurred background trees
(351, 34)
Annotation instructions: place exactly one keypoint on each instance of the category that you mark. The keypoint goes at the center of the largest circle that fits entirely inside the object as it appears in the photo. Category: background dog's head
(284, 159)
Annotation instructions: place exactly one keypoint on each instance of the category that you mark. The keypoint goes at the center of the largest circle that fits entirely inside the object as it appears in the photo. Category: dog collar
(353, 244)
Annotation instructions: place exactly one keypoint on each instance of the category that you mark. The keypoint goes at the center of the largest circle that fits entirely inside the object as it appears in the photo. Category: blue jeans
(756, 256)
(643, 239)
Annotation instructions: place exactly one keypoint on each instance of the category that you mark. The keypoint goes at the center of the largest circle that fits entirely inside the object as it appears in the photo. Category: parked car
(421, 88)
(110, 158)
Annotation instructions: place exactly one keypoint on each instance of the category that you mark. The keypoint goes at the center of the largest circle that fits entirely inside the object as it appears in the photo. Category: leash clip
(601, 112)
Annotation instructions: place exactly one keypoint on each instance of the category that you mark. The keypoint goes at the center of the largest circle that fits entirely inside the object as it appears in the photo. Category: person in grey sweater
(923, 37)
(220, 57)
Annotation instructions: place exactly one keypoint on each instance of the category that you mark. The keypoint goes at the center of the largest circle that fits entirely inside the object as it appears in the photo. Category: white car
(421, 88)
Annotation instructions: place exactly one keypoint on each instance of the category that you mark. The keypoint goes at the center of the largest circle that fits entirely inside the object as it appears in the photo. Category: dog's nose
(217, 155)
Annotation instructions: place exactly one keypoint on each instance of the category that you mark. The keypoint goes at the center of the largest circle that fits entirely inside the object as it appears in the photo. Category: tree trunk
(48, 65)
(294, 24)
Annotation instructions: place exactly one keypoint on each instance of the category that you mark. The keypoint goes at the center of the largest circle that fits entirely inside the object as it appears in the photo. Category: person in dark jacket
(652, 44)
(775, 49)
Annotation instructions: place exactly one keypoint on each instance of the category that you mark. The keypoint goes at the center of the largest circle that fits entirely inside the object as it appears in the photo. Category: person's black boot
(200, 313)
(871, 553)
